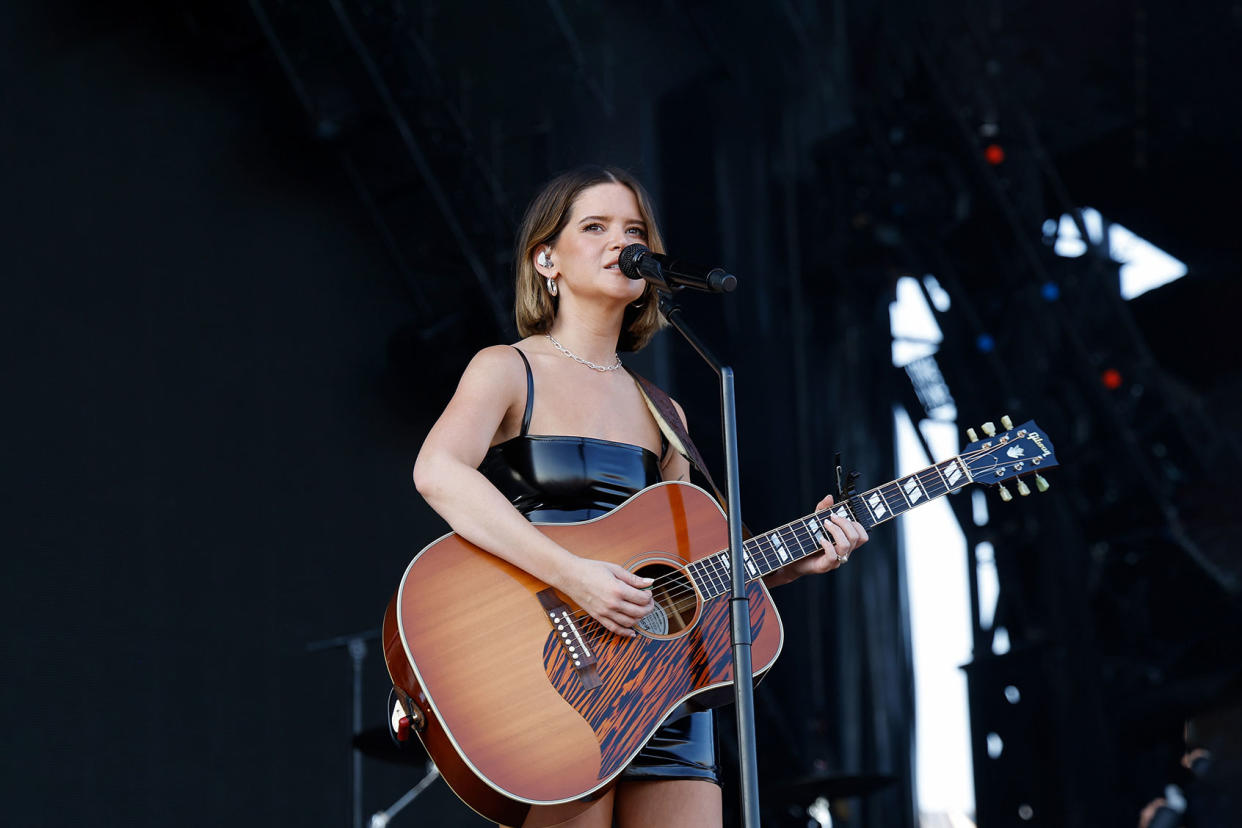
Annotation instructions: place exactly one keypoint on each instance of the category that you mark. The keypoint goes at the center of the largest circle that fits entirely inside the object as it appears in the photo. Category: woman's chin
(624, 289)
(619, 289)
(631, 289)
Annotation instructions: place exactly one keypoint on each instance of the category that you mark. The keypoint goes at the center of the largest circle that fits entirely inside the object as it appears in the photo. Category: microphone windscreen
(627, 261)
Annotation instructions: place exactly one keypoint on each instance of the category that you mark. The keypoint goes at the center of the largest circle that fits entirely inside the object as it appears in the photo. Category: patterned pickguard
(644, 679)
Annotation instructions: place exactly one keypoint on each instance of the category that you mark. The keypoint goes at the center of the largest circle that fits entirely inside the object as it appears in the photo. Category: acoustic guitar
(523, 699)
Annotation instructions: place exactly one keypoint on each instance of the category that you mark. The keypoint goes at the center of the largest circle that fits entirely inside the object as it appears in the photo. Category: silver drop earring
(543, 261)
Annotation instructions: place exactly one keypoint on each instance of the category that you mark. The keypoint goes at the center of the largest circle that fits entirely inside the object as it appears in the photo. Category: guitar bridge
(571, 638)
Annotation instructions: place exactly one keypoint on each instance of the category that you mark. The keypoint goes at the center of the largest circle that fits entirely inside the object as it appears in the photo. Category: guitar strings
(676, 594)
(684, 587)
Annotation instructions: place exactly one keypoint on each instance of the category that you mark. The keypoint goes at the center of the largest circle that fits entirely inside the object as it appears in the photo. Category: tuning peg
(1004, 493)
(1006, 423)
(1023, 489)
(971, 436)
(988, 428)
(1040, 483)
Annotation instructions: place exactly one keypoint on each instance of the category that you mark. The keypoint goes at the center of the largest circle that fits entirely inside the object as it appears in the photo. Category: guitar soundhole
(676, 601)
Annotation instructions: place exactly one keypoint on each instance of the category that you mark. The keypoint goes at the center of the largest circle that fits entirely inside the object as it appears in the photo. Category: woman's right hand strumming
(611, 594)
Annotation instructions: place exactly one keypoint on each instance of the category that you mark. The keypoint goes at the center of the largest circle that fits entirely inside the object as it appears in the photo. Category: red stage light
(995, 154)
(1111, 379)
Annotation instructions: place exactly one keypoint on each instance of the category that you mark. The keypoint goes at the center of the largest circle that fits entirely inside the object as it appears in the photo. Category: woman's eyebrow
(609, 218)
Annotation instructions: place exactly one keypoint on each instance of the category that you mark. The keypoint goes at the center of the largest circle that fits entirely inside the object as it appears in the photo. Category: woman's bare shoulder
(496, 363)
(494, 375)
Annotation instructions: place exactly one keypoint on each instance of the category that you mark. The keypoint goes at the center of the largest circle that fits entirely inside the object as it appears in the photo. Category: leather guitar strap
(665, 413)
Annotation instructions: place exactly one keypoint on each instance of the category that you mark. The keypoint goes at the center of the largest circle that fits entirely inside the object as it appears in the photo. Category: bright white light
(939, 296)
(937, 587)
(1069, 242)
(989, 583)
(938, 591)
(946, 412)
(906, 351)
(1000, 641)
(942, 437)
(1143, 265)
(979, 507)
(1095, 223)
(820, 812)
(909, 316)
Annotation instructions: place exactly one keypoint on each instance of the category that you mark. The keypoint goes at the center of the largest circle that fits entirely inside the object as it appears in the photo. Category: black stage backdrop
(217, 388)
(204, 474)
(248, 246)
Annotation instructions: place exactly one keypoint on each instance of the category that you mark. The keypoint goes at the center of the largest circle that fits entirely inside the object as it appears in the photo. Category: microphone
(671, 274)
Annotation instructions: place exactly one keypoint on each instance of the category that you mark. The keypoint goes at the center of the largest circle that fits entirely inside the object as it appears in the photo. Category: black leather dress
(554, 479)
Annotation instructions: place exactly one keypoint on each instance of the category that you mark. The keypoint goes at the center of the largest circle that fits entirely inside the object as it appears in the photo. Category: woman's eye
(594, 226)
(638, 231)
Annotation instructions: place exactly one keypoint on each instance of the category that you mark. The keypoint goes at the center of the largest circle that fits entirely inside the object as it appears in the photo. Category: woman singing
(551, 430)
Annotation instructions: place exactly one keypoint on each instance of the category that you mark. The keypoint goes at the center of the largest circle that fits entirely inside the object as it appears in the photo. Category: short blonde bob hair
(546, 216)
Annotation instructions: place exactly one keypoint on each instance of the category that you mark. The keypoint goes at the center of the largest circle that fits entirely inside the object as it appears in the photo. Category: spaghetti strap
(530, 392)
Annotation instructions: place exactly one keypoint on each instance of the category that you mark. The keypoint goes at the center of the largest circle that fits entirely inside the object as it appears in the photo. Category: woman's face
(604, 219)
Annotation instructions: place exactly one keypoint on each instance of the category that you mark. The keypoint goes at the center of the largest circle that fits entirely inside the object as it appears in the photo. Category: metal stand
(739, 607)
(380, 819)
(357, 646)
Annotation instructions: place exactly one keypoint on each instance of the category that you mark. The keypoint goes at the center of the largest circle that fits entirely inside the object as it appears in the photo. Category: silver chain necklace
(586, 362)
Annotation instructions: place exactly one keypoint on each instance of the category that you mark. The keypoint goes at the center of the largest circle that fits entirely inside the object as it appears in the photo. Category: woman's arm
(446, 475)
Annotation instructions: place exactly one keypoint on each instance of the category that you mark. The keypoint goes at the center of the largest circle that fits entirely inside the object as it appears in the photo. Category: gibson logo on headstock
(1037, 440)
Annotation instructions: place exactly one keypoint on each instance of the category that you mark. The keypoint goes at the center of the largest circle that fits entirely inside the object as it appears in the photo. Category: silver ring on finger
(842, 558)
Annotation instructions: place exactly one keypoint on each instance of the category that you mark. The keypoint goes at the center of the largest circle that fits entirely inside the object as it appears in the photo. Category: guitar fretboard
(779, 547)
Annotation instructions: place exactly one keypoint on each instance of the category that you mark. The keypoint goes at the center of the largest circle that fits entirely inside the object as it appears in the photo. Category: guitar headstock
(1013, 453)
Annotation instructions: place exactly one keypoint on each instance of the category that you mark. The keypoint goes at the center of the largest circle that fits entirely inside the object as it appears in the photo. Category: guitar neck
(767, 552)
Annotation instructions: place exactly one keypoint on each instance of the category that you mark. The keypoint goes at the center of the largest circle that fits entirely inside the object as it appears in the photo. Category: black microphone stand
(356, 645)
(739, 606)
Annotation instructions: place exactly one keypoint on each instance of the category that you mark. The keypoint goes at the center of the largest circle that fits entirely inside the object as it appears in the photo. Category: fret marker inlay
(816, 531)
(778, 547)
(913, 490)
(877, 505)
